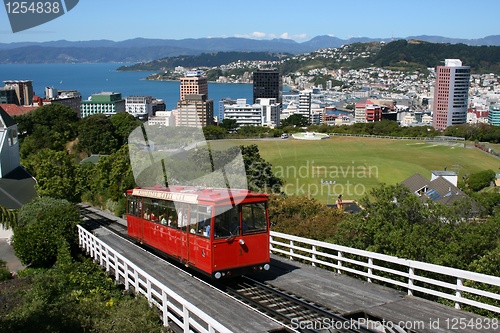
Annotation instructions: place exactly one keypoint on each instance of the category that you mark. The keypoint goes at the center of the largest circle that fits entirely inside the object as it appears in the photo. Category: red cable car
(219, 232)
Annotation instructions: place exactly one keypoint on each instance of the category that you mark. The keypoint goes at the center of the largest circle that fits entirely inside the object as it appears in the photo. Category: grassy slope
(356, 165)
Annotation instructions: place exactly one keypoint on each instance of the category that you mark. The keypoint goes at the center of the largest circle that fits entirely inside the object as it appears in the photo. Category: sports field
(352, 166)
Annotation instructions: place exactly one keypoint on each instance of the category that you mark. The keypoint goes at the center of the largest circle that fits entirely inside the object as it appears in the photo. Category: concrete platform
(347, 296)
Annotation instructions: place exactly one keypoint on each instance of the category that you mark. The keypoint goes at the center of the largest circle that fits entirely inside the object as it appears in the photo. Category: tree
(76, 296)
(258, 171)
(55, 174)
(303, 216)
(479, 180)
(212, 132)
(398, 223)
(8, 217)
(57, 118)
(230, 125)
(49, 126)
(124, 123)
(112, 176)
(45, 227)
(297, 120)
(96, 135)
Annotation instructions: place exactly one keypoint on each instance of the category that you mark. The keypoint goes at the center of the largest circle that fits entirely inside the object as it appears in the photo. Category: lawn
(353, 166)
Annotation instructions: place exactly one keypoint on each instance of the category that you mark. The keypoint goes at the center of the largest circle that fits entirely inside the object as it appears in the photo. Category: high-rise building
(451, 94)
(108, 103)
(267, 84)
(23, 90)
(271, 112)
(494, 115)
(194, 111)
(305, 104)
(194, 83)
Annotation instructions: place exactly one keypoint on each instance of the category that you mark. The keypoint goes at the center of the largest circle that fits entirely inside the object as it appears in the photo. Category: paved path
(7, 254)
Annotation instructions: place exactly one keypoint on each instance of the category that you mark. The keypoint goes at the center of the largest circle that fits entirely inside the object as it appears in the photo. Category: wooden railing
(414, 276)
(172, 306)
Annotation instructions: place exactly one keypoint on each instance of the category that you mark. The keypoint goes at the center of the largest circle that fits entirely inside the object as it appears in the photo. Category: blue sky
(298, 20)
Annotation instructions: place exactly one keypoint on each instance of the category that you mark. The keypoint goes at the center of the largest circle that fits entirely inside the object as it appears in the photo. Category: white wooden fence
(447, 283)
(173, 307)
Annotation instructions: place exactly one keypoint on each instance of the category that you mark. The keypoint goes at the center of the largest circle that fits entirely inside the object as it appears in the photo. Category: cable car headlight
(266, 267)
(218, 275)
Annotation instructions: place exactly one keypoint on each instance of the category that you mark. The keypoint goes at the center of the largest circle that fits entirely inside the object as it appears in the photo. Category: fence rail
(418, 138)
(414, 276)
(172, 306)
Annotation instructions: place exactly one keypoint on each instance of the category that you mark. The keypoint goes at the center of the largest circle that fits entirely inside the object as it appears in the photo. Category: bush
(45, 227)
(4, 272)
(479, 180)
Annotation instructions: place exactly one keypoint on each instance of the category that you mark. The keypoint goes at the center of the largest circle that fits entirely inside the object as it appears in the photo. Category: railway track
(295, 313)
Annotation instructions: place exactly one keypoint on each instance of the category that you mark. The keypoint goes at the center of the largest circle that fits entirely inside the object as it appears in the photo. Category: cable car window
(147, 209)
(182, 216)
(132, 205)
(204, 218)
(154, 211)
(227, 222)
(193, 219)
(254, 218)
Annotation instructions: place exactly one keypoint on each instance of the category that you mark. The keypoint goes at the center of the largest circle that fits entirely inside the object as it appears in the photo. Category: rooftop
(16, 110)
(17, 188)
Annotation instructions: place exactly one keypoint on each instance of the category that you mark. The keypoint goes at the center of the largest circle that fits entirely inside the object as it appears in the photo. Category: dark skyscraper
(267, 84)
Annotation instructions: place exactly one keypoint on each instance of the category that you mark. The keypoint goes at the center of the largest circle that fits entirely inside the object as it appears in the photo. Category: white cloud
(264, 35)
(258, 34)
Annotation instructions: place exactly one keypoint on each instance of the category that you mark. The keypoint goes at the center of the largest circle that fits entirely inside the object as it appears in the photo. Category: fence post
(291, 250)
(339, 263)
(370, 270)
(148, 291)
(460, 284)
(185, 315)
(411, 274)
(314, 255)
(125, 272)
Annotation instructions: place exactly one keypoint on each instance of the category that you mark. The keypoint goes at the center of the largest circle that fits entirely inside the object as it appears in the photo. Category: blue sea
(89, 79)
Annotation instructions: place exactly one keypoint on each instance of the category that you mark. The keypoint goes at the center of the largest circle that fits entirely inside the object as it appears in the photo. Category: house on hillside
(17, 186)
(441, 188)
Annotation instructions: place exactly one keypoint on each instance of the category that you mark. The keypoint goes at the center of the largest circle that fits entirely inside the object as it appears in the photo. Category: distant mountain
(144, 50)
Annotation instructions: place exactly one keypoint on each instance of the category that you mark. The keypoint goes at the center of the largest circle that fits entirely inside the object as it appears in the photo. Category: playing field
(352, 166)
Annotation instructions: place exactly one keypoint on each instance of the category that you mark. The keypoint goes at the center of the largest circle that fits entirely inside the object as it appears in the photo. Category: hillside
(401, 55)
(203, 60)
(145, 50)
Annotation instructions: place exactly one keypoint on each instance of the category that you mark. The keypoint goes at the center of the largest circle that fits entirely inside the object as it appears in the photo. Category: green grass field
(353, 166)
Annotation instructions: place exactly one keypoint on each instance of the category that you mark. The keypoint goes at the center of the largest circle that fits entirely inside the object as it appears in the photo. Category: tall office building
(23, 91)
(451, 94)
(305, 103)
(194, 109)
(194, 83)
(267, 84)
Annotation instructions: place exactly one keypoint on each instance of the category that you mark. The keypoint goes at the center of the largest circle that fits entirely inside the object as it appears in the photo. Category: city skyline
(117, 21)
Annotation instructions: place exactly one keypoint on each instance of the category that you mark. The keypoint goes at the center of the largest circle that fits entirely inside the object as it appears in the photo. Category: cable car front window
(254, 218)
(227, 222)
